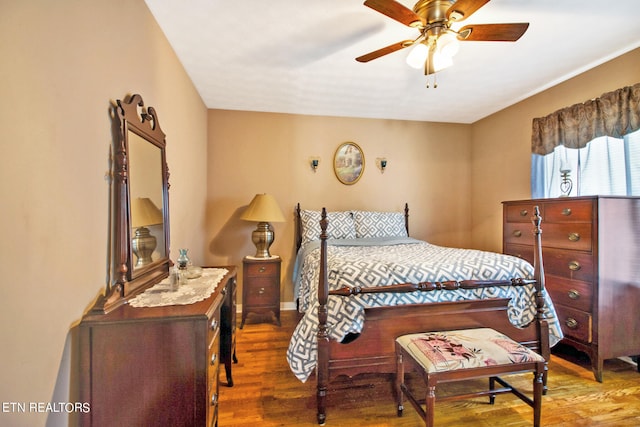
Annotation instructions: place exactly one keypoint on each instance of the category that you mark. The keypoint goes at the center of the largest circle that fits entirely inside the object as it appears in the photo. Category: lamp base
(143, 245)
(262, 237)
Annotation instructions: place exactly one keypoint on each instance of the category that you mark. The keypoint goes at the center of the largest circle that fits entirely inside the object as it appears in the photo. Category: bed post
(542, 328)
(322, 369)
(406, 217)
(298, 228)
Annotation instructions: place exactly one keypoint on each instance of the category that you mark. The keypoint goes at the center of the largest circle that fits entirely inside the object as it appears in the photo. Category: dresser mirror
(141, 207)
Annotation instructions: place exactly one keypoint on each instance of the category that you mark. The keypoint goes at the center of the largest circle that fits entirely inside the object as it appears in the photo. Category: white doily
(195, 290)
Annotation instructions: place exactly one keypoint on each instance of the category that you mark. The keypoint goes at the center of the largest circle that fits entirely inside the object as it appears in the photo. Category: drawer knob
(571, 323)
(524, 212)
(214, 399)
(573, 294)
(262, 269)
(517, 233)
(574, 237)
(214, 324)
(261, 291)
(214, 357)
(566, 211)
(574, 266)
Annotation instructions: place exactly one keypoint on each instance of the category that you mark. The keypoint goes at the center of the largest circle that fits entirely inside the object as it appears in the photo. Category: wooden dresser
(155, 366)
(591, 253)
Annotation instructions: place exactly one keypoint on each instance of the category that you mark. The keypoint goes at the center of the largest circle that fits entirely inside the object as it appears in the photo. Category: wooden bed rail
(448, 285)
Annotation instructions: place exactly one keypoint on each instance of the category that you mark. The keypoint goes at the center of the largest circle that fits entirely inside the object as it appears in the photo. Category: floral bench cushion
(463, 349)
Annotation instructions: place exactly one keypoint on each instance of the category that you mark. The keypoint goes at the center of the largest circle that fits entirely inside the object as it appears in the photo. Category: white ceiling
(298, 57)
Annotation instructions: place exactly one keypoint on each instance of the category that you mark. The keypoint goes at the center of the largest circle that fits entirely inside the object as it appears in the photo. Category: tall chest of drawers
(155, 366)
(591, 254)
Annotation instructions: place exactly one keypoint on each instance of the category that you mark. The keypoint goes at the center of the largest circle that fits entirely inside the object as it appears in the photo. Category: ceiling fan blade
(397, 11)
(462, 9)
(384, 51)
(493, 32)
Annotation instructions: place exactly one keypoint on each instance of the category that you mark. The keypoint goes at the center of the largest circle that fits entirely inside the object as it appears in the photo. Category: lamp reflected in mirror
(144, 213)
(263, 209)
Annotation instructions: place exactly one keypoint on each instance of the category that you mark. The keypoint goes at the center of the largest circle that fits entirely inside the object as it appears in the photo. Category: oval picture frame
(348, 163)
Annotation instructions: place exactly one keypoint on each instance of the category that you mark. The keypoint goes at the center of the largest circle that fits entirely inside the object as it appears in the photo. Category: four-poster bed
(358, 293)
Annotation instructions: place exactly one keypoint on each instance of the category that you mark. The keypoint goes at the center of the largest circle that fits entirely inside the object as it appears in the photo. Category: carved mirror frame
(130, 276)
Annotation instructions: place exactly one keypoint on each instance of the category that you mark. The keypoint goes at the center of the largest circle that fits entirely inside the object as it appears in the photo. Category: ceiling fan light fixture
(448, 44)
(440, 61)
(417, 56)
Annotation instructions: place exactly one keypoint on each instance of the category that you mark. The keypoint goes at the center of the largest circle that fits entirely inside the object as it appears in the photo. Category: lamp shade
(263, 208)
(144, 212)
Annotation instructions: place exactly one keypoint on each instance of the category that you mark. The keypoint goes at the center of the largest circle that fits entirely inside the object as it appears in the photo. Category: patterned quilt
(380, 262)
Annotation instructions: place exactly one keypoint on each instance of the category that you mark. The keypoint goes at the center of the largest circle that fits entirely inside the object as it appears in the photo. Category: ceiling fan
(438, 41)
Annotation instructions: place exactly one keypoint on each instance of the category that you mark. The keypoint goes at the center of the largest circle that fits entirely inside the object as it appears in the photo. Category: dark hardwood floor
(266, 393)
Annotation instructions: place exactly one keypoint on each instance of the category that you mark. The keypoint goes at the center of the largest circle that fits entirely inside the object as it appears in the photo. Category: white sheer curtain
(605, 166)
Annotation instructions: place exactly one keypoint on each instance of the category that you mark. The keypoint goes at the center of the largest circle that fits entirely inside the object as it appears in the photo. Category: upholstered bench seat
(465, 354)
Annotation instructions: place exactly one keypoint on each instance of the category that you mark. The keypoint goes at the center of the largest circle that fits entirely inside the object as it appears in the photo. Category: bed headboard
(298, 233)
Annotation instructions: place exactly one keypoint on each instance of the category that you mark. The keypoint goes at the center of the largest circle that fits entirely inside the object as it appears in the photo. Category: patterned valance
(612, 114)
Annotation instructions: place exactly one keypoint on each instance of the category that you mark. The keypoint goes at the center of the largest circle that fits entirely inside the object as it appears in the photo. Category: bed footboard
(373, 350)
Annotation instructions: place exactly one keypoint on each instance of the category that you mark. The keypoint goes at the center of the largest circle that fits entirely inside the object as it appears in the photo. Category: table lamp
(263, 209)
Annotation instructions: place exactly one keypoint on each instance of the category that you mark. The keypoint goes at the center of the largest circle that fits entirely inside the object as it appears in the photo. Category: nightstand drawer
(262, 292)
(262, 269)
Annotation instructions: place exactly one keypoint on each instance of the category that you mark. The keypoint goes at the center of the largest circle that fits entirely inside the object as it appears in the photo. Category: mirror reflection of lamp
(144, 213)
(263, 209)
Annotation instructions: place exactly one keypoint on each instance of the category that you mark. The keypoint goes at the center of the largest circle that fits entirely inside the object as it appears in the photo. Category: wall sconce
(382, 163)
(314, 161)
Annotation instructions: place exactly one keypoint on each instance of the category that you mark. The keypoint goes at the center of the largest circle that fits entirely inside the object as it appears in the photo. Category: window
(605, 166)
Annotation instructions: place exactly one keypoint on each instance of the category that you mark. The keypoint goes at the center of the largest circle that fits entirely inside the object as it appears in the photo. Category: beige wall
(501, 143)
(63, 63)
(249, 153)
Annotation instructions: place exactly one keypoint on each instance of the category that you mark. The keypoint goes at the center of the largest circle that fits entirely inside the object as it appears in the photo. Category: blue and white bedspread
(371, 262)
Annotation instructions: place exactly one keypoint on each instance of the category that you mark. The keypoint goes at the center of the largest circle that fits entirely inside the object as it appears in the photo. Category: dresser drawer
(568, 211)
(576, 237)
(519, 233)
(575, 323)
(520, 212)
(262, 292)
(262, 269)
(521, 251)
(571, 293)
(213, 327)
(568, 264)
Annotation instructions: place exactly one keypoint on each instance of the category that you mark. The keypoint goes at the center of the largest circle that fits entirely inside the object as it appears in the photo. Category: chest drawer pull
(574, 266)
(262, 269)
(214, 399)
(566, 211)
(571, 323)
(574, 237)
(517, 233)
(261, 291)
(524, 212)
(214, 324)
(214, 357)
(573, 294)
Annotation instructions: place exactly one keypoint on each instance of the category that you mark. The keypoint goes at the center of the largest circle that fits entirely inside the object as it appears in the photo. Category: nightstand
(261, 287)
